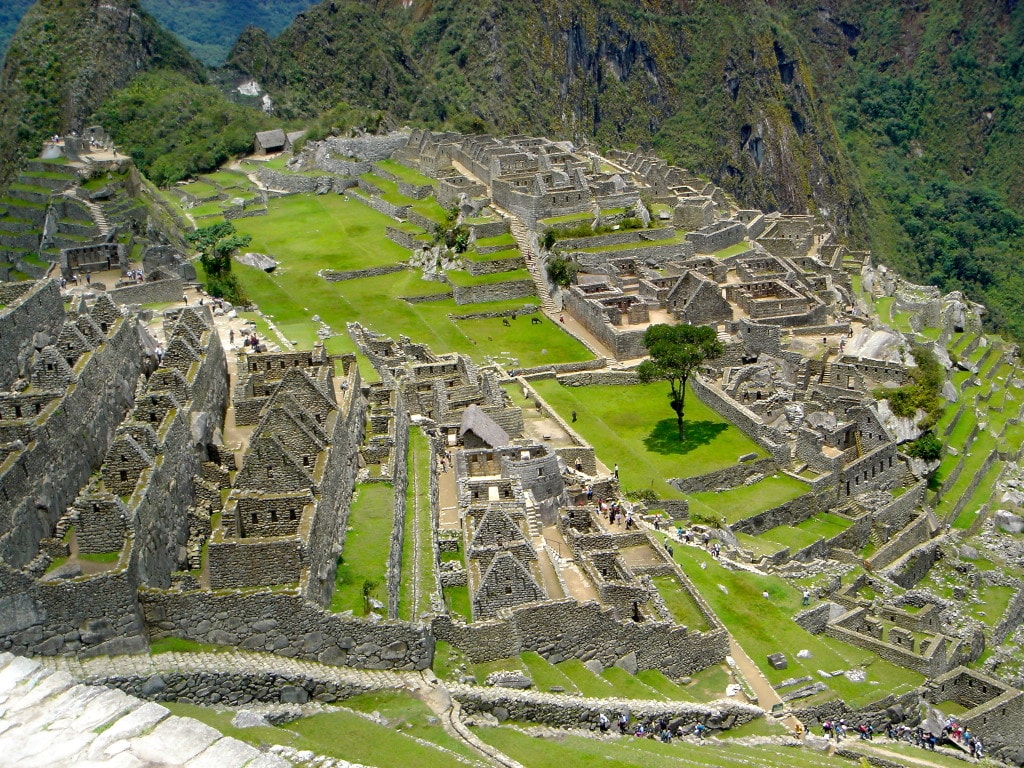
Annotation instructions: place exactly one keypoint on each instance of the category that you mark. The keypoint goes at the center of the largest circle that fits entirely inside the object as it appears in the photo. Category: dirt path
(766, 695)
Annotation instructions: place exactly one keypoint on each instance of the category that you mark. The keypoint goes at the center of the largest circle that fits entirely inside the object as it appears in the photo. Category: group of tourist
(953, 731)
(135, 274)
(651, 728)
(838, 730)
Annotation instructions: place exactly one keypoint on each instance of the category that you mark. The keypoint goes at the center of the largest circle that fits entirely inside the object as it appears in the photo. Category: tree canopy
(676, 351)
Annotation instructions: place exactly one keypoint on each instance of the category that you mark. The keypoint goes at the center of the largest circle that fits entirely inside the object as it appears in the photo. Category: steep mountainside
(716, 86)
(11, 12)
(66, 58)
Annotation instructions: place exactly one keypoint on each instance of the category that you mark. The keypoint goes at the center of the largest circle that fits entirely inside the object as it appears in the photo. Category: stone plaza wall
(288, 625)
(295, 183)
(570, 630)
(728, 477)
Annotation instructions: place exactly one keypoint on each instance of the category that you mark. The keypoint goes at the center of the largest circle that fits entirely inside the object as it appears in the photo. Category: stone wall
(40, 482)
(719, 235)
(489, 229)
(728, 477)
(330, 520)
(791, 513)
(154, 292)
(745, 419)
(917, 533)
(87, 615)
(254, 562)
(479, 294)
(368, 148)
(31, 308)
(643, 252)
(400, 465)
(599, 378)
(396, 212)
(617, 238)
(295, 183)
(561, 711)
(570, 630)
(493, 266)
(287, 625)
(335, 276)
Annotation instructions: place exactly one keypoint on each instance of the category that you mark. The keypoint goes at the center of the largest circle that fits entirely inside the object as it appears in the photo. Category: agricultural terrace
(309, 233)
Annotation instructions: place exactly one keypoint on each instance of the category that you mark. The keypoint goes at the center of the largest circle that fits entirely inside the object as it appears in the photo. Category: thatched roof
(483, 426)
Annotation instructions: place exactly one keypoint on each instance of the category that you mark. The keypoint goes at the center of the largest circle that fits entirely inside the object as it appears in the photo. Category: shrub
(562, 271)
(927, 447)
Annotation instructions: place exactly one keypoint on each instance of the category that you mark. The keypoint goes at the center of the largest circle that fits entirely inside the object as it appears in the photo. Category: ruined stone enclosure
(281, 502)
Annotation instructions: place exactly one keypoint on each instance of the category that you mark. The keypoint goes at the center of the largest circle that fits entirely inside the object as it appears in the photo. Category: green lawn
(634, 427)
(732, 250)
(746, 501)
(567, 750)
(683, 608)
(405, 173)
(465, 280)
(823, 525)
(313, 232)
(763, 626)
(363, 566)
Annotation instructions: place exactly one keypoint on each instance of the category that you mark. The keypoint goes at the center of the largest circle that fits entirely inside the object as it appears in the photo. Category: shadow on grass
(664, 438)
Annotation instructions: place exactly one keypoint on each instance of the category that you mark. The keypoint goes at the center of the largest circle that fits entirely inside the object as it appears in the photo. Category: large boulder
(258, 260)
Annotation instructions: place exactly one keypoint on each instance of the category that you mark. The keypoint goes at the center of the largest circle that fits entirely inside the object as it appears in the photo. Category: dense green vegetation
(174, 128)
(66, 59)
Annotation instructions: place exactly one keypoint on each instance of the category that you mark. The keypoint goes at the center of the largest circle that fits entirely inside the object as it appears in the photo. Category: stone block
(293, 694)
(628, 663)
(153, 686)
(176, 740)
(778, 661)
(225, 753)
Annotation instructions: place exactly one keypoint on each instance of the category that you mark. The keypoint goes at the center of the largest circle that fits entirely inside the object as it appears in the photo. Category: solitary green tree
(676, 351)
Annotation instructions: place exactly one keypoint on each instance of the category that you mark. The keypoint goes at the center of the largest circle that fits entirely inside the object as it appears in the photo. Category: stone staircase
(525, 243)
(102, 224)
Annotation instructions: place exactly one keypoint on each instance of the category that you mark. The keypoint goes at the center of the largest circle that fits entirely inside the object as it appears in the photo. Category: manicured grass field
(634, 427)
(313, 232)
(363, 566)
(824, 525)
(763, 626)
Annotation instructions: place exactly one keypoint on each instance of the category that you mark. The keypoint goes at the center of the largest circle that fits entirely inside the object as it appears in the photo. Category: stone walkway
(47, 719)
